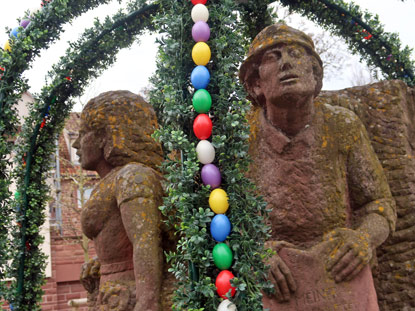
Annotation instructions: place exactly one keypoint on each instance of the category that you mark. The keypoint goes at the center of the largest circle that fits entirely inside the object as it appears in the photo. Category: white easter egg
(200, 13)
(227, 305)
(205, 152)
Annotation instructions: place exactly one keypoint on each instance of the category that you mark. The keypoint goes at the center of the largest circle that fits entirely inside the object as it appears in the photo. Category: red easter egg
(223, 284)
(199, 2)
(202, 126)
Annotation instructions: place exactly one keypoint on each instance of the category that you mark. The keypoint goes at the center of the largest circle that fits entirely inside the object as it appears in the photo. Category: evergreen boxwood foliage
(363, 33)
(44, 29)
(85, 59)
(186, 204)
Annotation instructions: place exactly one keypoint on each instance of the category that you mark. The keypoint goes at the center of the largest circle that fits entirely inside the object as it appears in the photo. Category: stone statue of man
(330, 202)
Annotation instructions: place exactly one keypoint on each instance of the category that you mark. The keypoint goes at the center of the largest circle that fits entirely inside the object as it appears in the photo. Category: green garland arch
(85, 59)
(346, 20)
(40, 34)
(363, 33)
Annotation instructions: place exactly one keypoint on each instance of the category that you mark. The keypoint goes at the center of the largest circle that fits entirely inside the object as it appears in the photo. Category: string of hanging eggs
(220, 226)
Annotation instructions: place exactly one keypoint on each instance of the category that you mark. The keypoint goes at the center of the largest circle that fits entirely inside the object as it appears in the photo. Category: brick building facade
(66, 251)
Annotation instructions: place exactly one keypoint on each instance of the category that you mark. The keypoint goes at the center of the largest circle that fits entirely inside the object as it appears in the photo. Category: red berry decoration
(223, 284)
(368, 36)
(202, 126)
(199, 2)
(44, 2)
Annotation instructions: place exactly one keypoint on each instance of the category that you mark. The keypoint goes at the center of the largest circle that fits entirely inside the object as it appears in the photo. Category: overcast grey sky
(135, 65)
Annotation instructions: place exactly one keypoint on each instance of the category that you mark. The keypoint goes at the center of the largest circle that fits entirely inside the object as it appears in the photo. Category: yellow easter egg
(218, 201)
(7, 46)
(201, 54)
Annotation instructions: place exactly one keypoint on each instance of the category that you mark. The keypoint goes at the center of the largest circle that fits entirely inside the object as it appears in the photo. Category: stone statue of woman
(122, 216)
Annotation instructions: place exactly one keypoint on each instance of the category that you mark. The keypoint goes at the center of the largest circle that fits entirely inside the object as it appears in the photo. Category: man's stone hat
(273, 35)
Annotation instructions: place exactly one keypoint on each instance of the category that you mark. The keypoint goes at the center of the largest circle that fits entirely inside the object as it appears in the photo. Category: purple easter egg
(211, 176)
(24, 23)
(200, 31)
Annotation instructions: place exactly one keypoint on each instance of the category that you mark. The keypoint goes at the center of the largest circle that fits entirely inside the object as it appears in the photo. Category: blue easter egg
(220, 227)
(14, 32)
(200, 77)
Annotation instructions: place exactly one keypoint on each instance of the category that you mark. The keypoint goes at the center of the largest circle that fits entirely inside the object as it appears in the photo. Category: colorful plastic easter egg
(220, 227)
(211, 176)
(201, 31)
(223, 284)
(218, 200)
(205, 152)
(227, 305)
(200, 77)
(222, 256)
(201, 54)
(200, 13)
(14, 32)
(202, 101)
(7, 46)
(199, 1)
(24, 23)
(202, 126)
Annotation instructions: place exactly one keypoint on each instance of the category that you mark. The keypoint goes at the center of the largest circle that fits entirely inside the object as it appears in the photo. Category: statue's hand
(280, 275)
(90, 275)
(351, 254)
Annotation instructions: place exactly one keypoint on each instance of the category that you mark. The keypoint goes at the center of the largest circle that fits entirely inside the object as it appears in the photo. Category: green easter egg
(222, 256)
(202, 101)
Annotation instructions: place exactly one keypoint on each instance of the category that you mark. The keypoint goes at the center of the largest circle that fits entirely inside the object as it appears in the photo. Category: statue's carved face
(285, 74)
(89, 147)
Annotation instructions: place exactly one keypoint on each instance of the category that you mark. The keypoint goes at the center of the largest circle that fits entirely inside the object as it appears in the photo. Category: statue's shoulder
(340, 119)
(137, 180)
(338, 113)
(343, 125)
(133, 169)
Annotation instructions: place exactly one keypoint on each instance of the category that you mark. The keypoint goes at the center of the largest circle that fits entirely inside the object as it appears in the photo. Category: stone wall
(388, 111)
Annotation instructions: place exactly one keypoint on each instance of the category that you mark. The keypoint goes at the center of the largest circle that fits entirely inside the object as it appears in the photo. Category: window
(73, 155)
(70, 138)
(87, 194)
